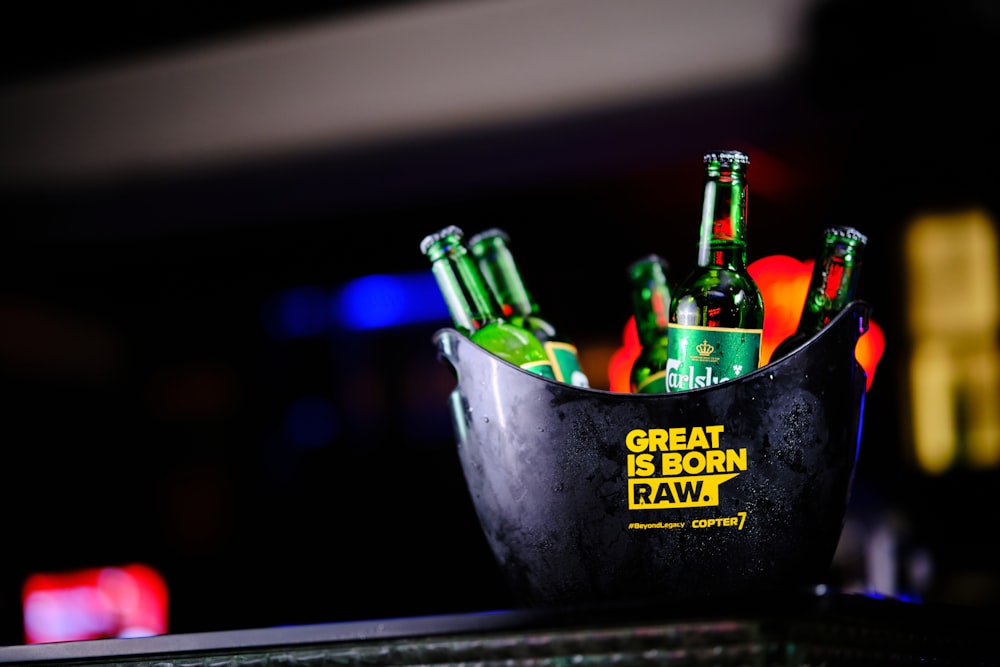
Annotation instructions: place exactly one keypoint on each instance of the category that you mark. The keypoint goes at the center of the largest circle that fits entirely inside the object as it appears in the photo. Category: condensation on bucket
(753, 500)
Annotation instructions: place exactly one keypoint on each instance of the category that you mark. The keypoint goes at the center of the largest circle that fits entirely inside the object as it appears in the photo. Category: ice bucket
(588, 496)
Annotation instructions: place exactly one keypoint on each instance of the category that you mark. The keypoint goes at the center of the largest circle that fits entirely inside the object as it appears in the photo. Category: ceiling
(146, 119)
(37, 41)
(258, 86)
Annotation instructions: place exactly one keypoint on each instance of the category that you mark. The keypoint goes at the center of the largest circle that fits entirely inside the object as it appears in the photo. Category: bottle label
(543, 368)
(656, 383)
(699, 357)
(566, 363)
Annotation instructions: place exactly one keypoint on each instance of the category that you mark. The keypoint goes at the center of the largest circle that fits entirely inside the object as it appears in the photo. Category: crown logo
(705, 348)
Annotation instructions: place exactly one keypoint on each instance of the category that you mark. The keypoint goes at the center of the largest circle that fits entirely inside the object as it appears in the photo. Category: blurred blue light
(379, 301)
(370, 302)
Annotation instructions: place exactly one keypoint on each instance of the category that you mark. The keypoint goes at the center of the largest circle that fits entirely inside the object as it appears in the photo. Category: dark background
(145, 397)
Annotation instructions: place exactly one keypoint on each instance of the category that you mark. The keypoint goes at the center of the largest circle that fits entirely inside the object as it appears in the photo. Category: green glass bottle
(474, 310)
(650, 293)
(717, 313)
(832, 285)
(491, 248)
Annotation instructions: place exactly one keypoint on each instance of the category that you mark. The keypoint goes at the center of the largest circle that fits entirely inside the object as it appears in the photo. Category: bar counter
(799, 629)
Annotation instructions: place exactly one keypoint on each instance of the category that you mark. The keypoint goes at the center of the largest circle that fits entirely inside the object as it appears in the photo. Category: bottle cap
(491, 233)
(845, 232)
(431, 239)
(651, 258)
(727, 157)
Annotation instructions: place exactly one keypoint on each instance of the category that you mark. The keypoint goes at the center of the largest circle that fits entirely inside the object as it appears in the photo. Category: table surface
(806, 629)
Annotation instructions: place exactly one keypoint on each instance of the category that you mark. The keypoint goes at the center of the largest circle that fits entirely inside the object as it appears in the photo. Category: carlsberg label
(700, 357)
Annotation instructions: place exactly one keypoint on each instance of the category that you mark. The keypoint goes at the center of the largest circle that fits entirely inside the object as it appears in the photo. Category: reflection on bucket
(588, 496)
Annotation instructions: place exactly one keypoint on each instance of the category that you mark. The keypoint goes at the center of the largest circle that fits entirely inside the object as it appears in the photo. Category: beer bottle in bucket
(650, 293)
(717, 313)
(832, 285)
(473, 308)
(491, 248)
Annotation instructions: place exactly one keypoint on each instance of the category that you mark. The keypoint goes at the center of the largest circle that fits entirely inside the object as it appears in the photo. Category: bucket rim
(858, 310)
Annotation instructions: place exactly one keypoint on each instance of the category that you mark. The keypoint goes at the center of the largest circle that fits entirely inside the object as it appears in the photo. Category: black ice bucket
(589, 496)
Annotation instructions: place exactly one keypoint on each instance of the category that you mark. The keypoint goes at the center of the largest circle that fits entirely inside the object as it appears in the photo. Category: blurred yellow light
(953, 311)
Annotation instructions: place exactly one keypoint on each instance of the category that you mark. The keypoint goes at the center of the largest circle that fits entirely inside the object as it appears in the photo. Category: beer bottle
(717, 313)
(474, 310)
(491, 248)
(833, 284)
(651, 306)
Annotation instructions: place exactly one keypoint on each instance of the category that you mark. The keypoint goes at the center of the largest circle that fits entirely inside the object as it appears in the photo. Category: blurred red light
(620, 364)
(94, 603)
(783, 283)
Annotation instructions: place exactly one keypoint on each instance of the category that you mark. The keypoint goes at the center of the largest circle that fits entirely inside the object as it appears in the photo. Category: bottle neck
(723, 221)
(465, 292)
(650, 301)
(496, 262)
(834, 284)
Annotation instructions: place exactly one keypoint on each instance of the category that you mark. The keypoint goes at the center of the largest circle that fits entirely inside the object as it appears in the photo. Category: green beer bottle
(491, 248)
(833, 284)
(717, 313)
(474, 311)
(651, 306)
